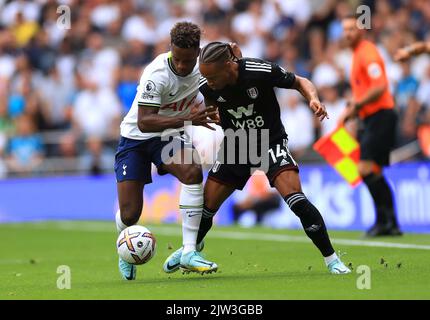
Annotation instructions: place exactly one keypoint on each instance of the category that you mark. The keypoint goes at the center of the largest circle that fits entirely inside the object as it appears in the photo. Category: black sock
(205, 224)
(312, 222)
(382, 197)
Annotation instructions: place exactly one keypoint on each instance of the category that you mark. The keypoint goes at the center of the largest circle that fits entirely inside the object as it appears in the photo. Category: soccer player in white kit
(153, 132)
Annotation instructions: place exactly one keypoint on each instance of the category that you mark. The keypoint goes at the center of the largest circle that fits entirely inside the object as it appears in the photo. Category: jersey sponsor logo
(258, 122)
(248, 111)
(252, 92)
(180, 105)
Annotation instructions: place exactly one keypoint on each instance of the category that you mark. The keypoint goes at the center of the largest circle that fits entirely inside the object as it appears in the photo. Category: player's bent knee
(212, 203)
(209, 202)
(130, 214)
(192, 175)
(287, 182)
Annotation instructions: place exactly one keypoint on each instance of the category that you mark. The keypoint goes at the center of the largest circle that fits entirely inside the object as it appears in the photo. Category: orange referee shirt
(368, 70)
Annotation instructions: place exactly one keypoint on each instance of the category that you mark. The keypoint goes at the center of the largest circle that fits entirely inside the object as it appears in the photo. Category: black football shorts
(236, 175)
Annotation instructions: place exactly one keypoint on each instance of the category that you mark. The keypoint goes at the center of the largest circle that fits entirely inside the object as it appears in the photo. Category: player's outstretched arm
(309, 92)
(150, 121)
(414, 49)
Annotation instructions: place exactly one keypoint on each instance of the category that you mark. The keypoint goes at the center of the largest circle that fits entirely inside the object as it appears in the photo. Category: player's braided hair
(185, 35)
(217, 52)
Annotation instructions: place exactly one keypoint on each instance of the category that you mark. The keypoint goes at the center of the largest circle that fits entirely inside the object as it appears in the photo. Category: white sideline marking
(176, 231)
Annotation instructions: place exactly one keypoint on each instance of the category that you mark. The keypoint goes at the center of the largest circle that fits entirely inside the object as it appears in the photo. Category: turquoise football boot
(194, 262)
(173, 261)
(337, 267)
(127, 270)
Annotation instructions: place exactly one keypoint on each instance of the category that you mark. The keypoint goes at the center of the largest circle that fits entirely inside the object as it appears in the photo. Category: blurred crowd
(64, 88)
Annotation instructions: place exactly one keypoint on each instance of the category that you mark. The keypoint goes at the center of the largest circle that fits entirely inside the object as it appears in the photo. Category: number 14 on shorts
(282, 153)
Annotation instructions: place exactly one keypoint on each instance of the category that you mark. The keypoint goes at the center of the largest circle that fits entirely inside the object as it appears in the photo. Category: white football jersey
(161, 87)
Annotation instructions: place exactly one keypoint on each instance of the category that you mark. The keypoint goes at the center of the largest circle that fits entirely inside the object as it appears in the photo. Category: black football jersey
(251, 103)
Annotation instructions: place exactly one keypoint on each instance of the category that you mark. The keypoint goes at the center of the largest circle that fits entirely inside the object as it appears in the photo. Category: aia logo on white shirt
(180, 105)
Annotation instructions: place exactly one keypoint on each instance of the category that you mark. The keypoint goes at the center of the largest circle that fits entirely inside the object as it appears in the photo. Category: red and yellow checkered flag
(340, 149)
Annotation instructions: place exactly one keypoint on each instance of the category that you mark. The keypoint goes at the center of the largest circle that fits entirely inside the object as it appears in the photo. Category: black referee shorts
(378, 136)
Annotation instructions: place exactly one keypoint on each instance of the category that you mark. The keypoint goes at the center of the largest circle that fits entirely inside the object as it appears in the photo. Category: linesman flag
(340, 149)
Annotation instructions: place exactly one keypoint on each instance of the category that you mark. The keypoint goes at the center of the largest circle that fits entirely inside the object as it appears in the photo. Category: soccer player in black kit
(243, 92)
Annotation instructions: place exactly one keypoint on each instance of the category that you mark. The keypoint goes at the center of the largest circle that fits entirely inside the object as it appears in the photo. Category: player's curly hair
(186, 35)
(217, 52)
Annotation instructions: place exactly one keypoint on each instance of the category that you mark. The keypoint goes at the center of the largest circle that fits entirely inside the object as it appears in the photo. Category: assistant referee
(374, 105)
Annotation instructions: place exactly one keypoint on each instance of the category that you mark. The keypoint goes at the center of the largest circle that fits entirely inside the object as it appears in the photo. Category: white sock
(330, 259)
(190, 206)
(119, 224)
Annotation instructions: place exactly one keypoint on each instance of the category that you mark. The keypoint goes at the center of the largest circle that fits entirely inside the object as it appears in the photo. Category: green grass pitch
(257, 263)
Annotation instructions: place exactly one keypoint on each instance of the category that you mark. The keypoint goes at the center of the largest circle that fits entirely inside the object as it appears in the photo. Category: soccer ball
(136, 245)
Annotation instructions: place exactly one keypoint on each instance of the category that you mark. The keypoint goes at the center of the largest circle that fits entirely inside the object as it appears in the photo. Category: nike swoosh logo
(192, 215)
(130, 277)
(172, 95)
(208, 264)
(170, 267)
(340, 271)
